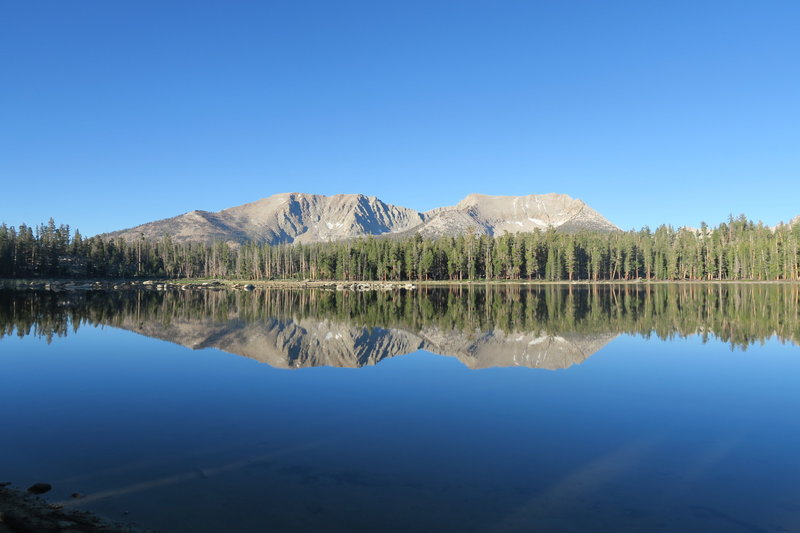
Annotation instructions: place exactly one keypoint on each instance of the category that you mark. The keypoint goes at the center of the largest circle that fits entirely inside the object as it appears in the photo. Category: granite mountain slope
(306, 218)
(495, 215)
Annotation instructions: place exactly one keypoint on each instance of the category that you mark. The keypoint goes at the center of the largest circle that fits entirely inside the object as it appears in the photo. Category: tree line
(738, 249)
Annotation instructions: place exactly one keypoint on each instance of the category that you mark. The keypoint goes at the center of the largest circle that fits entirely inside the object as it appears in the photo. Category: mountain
(305, 218)
(284, 218)
(495, 215)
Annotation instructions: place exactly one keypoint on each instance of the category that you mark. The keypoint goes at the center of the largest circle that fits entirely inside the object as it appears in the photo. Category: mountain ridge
(307, 218)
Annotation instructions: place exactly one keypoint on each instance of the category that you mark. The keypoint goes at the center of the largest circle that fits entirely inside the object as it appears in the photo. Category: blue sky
(118, 113)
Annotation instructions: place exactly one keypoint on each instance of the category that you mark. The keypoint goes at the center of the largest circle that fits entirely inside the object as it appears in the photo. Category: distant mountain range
(307, 218)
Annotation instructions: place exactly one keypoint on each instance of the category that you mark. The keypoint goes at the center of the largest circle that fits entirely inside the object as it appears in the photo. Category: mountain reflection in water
(548, 326)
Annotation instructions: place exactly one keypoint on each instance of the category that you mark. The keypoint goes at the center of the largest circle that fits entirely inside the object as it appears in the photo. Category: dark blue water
(644, 435)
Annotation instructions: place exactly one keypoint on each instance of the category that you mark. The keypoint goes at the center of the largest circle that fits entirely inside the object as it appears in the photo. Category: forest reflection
(544, 326)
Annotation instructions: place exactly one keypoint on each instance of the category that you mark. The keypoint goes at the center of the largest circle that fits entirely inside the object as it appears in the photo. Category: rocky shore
(26, 512)
(164, 285)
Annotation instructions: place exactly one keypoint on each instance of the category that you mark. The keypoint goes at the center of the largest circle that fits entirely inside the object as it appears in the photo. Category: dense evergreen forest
(739, 314)
(738, 249)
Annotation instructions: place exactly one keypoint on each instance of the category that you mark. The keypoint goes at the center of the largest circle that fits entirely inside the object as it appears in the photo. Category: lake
(509, 408)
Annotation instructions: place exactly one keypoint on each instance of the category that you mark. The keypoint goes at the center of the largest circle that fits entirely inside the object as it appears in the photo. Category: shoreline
(162, 284)
(23, 512)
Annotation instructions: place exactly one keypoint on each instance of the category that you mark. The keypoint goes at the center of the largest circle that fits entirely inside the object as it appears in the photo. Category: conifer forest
(738, 249)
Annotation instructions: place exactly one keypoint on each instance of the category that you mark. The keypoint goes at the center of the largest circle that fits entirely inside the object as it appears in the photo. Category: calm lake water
(553, 408)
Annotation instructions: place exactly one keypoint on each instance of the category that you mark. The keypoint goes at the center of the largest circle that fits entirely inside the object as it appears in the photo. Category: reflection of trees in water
(739, 314)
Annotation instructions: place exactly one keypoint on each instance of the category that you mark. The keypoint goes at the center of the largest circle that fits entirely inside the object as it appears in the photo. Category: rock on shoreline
(164, 285)
(22, 512)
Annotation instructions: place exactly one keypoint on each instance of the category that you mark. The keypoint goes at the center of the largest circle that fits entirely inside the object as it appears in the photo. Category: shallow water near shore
(668, 408)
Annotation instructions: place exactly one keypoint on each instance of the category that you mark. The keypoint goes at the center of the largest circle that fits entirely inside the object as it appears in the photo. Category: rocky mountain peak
(495, 215)
(301, 217)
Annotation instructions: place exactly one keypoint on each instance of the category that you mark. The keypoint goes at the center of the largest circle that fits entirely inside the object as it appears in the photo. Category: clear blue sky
(115, 113)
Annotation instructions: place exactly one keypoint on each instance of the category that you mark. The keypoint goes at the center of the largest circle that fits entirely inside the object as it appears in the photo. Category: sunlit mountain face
(306, 218)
